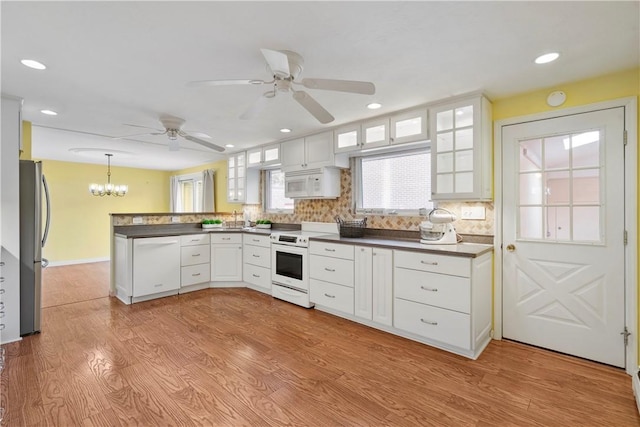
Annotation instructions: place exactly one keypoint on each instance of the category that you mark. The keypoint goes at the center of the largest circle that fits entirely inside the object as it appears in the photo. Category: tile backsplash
(327, 210)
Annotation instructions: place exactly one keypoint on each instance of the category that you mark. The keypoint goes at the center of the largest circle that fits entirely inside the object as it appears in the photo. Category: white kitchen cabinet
(243, 185)
(331, 276)
(444, 301)
(260, 157)
(226, 258)
(374, 284)
(10, 219)
(195, 262)
(311, 152)
(401, 128)
(461, 150)
(256, 269)
(156, 266)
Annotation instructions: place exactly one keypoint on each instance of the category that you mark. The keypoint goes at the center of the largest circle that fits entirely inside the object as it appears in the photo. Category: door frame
(631, 213)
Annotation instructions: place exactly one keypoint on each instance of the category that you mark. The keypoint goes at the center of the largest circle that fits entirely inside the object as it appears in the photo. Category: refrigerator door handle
(47, 199)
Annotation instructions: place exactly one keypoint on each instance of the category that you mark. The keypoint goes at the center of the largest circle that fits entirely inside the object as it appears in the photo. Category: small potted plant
(263, 223)
(211, 223)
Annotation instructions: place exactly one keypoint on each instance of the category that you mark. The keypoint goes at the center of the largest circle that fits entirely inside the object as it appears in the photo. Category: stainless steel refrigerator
(33, 236)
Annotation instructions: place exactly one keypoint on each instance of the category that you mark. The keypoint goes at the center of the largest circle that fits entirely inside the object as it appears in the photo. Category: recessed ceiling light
(229, 145)
(33, 64)
(374, 106)
(49, 112)
(285, 130)
(547, 57)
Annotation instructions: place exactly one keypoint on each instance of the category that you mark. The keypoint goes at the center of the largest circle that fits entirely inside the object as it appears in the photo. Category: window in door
(560, 188)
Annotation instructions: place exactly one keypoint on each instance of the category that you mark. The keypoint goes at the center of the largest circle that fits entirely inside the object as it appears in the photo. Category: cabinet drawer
(191, 255)
(226, 238)
(257, 255)
(332, 270)
(455, 266)
(192, 274)
(256, 240)
(194, 239)
(331, 249)
(434, 323)
(440, 290)
(258, 276)
(331, 295)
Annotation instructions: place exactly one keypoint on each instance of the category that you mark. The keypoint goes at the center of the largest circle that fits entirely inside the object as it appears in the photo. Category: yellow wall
(80, 221)
(219, 183)
(618, 85)
(25, 153)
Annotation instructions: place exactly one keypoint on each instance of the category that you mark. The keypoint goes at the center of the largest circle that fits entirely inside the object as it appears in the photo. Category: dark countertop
(467, 250)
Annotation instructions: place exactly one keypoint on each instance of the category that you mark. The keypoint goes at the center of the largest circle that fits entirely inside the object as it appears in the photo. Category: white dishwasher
(156, 265)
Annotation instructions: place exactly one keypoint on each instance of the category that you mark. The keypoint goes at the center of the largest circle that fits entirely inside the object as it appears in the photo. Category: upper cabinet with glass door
(243, 185)
(264, 156)
(401, 128)
(461, 150)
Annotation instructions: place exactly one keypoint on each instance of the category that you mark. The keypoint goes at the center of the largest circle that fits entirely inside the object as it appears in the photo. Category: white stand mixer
(438, 230)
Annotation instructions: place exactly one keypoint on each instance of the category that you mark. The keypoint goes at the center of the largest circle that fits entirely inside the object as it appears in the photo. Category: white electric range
(290, 261)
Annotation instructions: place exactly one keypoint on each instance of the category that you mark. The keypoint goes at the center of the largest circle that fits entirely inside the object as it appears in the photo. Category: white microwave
(323, 183)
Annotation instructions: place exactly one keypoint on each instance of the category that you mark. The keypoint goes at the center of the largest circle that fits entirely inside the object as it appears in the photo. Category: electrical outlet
(473, 212)
(175, 219)
(137, 220)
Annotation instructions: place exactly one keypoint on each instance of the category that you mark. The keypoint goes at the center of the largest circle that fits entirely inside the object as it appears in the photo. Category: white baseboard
(636, 388)
(77, 261)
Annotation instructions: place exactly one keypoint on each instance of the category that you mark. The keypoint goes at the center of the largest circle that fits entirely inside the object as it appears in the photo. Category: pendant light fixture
(108, 189)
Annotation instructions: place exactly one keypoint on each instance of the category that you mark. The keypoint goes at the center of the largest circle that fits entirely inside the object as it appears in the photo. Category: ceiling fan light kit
(108, 189)
(285, 66)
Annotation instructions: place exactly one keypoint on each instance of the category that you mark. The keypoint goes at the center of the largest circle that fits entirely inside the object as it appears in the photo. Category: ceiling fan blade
(143, 127)
(203, 143)
(138, 134)
(224, 82)
(365, 88)
(278, 62)
(312, 106)
(258, 106)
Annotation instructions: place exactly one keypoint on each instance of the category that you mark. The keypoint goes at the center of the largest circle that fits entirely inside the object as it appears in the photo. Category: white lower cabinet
(195, 262)
(156, 266)
(226, 258)
(374, 284)
(256, 269)
(444, 301)
(331, 276)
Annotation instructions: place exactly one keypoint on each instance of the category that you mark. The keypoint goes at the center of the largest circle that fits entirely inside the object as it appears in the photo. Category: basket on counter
(353, 228)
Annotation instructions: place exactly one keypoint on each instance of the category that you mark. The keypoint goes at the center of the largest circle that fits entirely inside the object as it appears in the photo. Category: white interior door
(563, 234)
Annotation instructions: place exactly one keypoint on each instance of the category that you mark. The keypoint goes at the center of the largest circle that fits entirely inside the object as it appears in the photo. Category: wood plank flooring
(74, 283)
(236, 357)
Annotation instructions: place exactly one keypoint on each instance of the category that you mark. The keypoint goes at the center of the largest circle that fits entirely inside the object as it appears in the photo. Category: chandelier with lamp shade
(108, 189)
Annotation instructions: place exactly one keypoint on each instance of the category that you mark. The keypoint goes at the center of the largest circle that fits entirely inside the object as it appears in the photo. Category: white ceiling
(111, 63)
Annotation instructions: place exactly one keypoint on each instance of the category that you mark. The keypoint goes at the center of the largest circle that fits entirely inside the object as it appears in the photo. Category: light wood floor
(230, 357)
(74, 283)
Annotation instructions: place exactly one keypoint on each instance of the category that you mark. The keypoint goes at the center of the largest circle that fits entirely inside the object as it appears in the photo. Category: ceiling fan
(173, 129)
(285, 67)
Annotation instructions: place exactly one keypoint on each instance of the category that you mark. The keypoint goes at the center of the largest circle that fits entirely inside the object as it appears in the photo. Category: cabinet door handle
(1, 279)
(158, 285)
(226, 238)
(429, 289)
(195, 240)
(428, 262)
(255, 240)
(329, 250)
(428, 322)
(195, 254)
(331, 270)
(256, 256)
(1, 291)
(255, 275)
(329, 296)
(195, 274)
